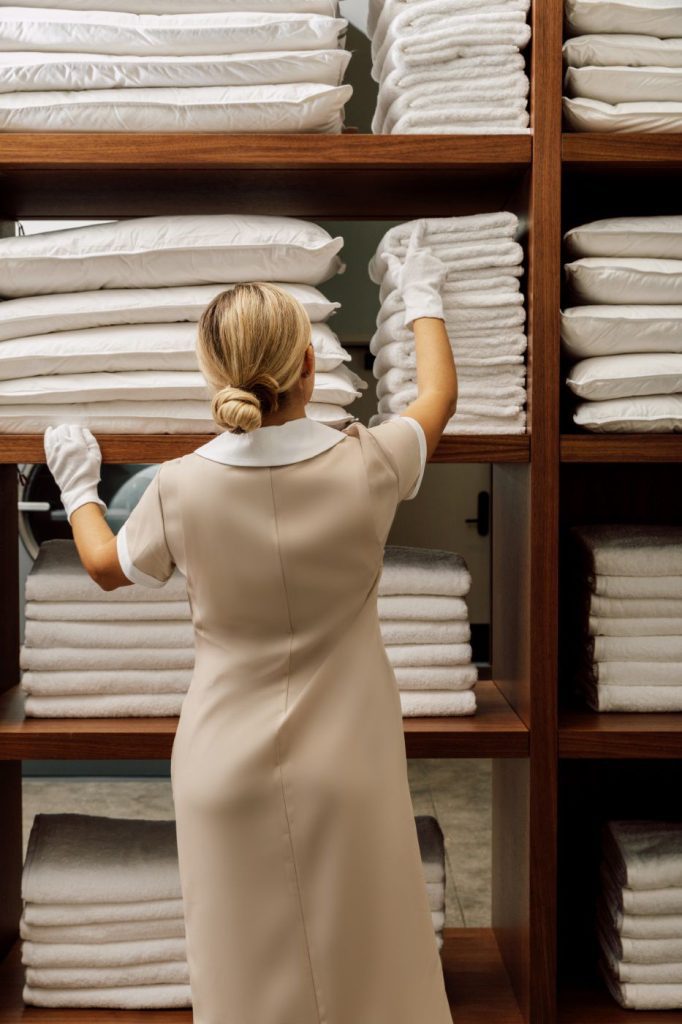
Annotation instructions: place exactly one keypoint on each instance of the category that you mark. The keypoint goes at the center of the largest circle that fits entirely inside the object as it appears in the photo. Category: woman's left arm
(74, 459)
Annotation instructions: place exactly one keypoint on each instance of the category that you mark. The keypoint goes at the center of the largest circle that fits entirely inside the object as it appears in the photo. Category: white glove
(74, 459)
(419, 279)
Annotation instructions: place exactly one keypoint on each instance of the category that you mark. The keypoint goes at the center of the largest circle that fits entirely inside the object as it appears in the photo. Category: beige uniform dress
(304, 896)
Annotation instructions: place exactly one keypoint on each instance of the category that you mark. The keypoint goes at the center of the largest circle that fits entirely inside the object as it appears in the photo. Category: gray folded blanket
(412, 570)
(624, 550)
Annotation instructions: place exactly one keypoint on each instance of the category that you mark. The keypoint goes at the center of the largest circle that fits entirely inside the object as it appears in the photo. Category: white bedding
(624, 84)
(658, 237)
(610, 330)
(45, 72)
(621, 280)
(593, 116)
(254, 108)
(616, 49)
(662, 18)
(656, 414)
(329, 7)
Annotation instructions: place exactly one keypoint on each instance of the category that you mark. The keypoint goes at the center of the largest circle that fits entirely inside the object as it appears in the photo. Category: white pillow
(242, 108)
(332, 415)
(329, 7)
(622, 280)
(624, 85)
(610, 330)
(45, 72)
(111, 32)
(22, 318)
(662, 18)
(595, 116)
(657, 414)
(628, 376)
(129, 347)
(163, 252)
(338, 387)
(130, 386)
(623, 50)
(650, 237)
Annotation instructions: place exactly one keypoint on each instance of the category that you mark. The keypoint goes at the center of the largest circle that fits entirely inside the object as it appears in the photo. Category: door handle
(482, 519)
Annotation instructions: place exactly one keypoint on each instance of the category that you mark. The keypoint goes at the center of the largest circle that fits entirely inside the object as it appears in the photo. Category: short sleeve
(141, 542)
(403, 441)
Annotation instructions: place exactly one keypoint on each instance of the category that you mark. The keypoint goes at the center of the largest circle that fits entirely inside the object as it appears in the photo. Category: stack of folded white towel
(100, 323)
(640, 916)
(102, 923)
(88, 653)
(629, 595)
(450, 66)
(623, 66)
(172, 66)
(484, 315)
(626, 274)
(425, 628)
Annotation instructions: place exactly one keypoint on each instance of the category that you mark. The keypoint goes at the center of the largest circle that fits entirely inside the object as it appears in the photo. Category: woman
(303, 890)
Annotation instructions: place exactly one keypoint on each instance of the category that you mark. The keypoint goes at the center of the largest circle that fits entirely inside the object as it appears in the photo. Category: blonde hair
(250, 347)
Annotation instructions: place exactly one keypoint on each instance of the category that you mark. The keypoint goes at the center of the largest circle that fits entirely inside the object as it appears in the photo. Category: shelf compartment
(585, 1003)
(621, 447)
(635, 149)
(495, 731)
(590, 734)
(120, 175)
(475, 976)
(141, 448)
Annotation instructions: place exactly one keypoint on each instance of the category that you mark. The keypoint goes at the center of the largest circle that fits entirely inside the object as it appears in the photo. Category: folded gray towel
(624, 550)
(412, 570)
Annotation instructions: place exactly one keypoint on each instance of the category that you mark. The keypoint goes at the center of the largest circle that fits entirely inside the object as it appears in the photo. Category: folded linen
(644, 854)
(636, 648)
(104, 659)
(50, 915)
(414, 570)
(401, 355)
(436, 894)
(106, 611)
(445, 232)
(461, 424)
(74, 684)
(508, 93)
(154, 635)
(636, 698)
(500, 409)
(632, 550)
(424, 634)
(415, 655)
(473, 396)
(633, 607)
(642, 974)
(584, 115)
(460, 284)
(436, 677)
(622, 50)
(171, 972)
(620, 84)
(114, 931)
(483, 383)
(431, 607)
(602, 626)
(99, 873)
(643, 926)
(329, 7)
(442, 123)
(431, 703)
(645, 902)
(636, 673)
(469, 341)
(146, 705)
(133, 997)
(451, 51)
(382, 14)
(637, 587)
(644, 951)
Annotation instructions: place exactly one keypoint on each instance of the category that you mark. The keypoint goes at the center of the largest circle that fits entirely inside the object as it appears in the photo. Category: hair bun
(236, 409)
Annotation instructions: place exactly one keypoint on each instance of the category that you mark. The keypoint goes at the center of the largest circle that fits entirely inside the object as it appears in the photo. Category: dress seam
(320, 1018)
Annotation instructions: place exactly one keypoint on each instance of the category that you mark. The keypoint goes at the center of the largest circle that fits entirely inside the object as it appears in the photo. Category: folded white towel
(397, 59)
(459, 284)
(647, 975)
(137, 997)
(477, 122)
(636, 698)
(602, 626)
(636, 648)
(155, 635)
(468, 255)
(452, 95)
(145, 705)
(463, 341)
(401, 356)
(44, 915)
(436, 894)
(636, 673)
(645, 951)
(430, 607)
(102, 954)
(431, 847)
(74, 684)
(411, 655)
(381, 13)
(104, 659)
(469, 319)
(114, 931)
(638, 587)
(644, 854)
(470, 394)
(71, 978)
(430, 703)
(461, 424)
(106, 611)
(483, 385)
(637, 550)
(644, 926)
(644, 902)
(426, 634)
(444, 231)
(413, 570)
(436, 677)
(489, 408)
(633, 607)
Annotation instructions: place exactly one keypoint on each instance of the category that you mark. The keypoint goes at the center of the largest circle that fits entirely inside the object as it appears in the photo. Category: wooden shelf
(118, 175)
(622, 150)
(495, 731)
(143, 448)
(585, 1003)
(476, 980)
(589, 734)
(621, 447)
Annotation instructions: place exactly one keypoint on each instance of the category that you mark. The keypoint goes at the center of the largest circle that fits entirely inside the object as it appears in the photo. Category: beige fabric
(304, 895)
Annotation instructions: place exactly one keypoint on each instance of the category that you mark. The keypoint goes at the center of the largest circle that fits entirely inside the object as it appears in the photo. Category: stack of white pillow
(450, 66)
(172, 66)
(99, 326)
(624, 66)
(627, 332)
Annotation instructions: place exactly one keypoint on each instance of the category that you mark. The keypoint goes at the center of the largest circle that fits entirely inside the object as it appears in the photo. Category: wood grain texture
(143, 448)
(495, 731)
(621, 448)
(587, 734)
(623, 150)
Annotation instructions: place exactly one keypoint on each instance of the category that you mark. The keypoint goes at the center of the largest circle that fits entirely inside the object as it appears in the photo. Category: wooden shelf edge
(495, 731)
(622, 148)
(589, 734)
(621, 448)
(26, 151)
(478, 987)
(149, 448)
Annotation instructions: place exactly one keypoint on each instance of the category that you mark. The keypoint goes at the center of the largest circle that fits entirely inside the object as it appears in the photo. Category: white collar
(276, 445)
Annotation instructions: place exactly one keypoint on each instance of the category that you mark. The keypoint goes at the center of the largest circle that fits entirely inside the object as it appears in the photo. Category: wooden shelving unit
(621, 448)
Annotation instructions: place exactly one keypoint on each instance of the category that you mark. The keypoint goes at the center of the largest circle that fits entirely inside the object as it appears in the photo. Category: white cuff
(134, 574)
(422, 454)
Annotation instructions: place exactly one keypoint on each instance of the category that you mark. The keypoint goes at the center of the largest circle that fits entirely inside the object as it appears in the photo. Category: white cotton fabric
(618, 280)
(328, 7)
(661, 18)
(611, 330)
(162, 252)
(622, 50)
(584, 115)
(46, 72)
(76, 311)
(113, 32)
(624, 84)
(627, 376)
(648, 237)
(275, 109)
(656, 414)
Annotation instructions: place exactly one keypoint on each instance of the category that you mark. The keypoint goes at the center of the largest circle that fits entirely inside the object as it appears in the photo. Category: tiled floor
(458, 793)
